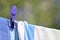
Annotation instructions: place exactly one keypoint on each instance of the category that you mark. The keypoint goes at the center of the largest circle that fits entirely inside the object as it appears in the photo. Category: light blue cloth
(16, 32)
(34, 32)
(5, 32)
(29, 31)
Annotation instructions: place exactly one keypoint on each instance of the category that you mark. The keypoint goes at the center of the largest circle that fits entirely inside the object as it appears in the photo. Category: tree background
(38, 12)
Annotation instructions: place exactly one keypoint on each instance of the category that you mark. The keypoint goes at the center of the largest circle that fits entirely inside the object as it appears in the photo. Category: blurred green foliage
(43, 11)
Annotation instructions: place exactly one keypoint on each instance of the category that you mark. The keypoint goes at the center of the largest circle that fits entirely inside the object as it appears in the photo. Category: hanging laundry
(21, 30)
(33, 32)
(24, 31)
(4, 29)
(5, 32)
(43, 33)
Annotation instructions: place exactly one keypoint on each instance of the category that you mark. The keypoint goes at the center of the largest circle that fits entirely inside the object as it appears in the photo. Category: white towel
(21, 30)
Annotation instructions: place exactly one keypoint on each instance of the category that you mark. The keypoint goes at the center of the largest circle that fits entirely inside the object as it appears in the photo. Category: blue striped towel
(33, 32)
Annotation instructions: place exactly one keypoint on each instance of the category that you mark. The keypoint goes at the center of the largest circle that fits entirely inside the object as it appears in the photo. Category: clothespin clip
(13, 14)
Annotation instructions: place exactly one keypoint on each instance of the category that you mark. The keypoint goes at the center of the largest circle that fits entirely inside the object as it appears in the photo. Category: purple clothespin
(13, 14)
